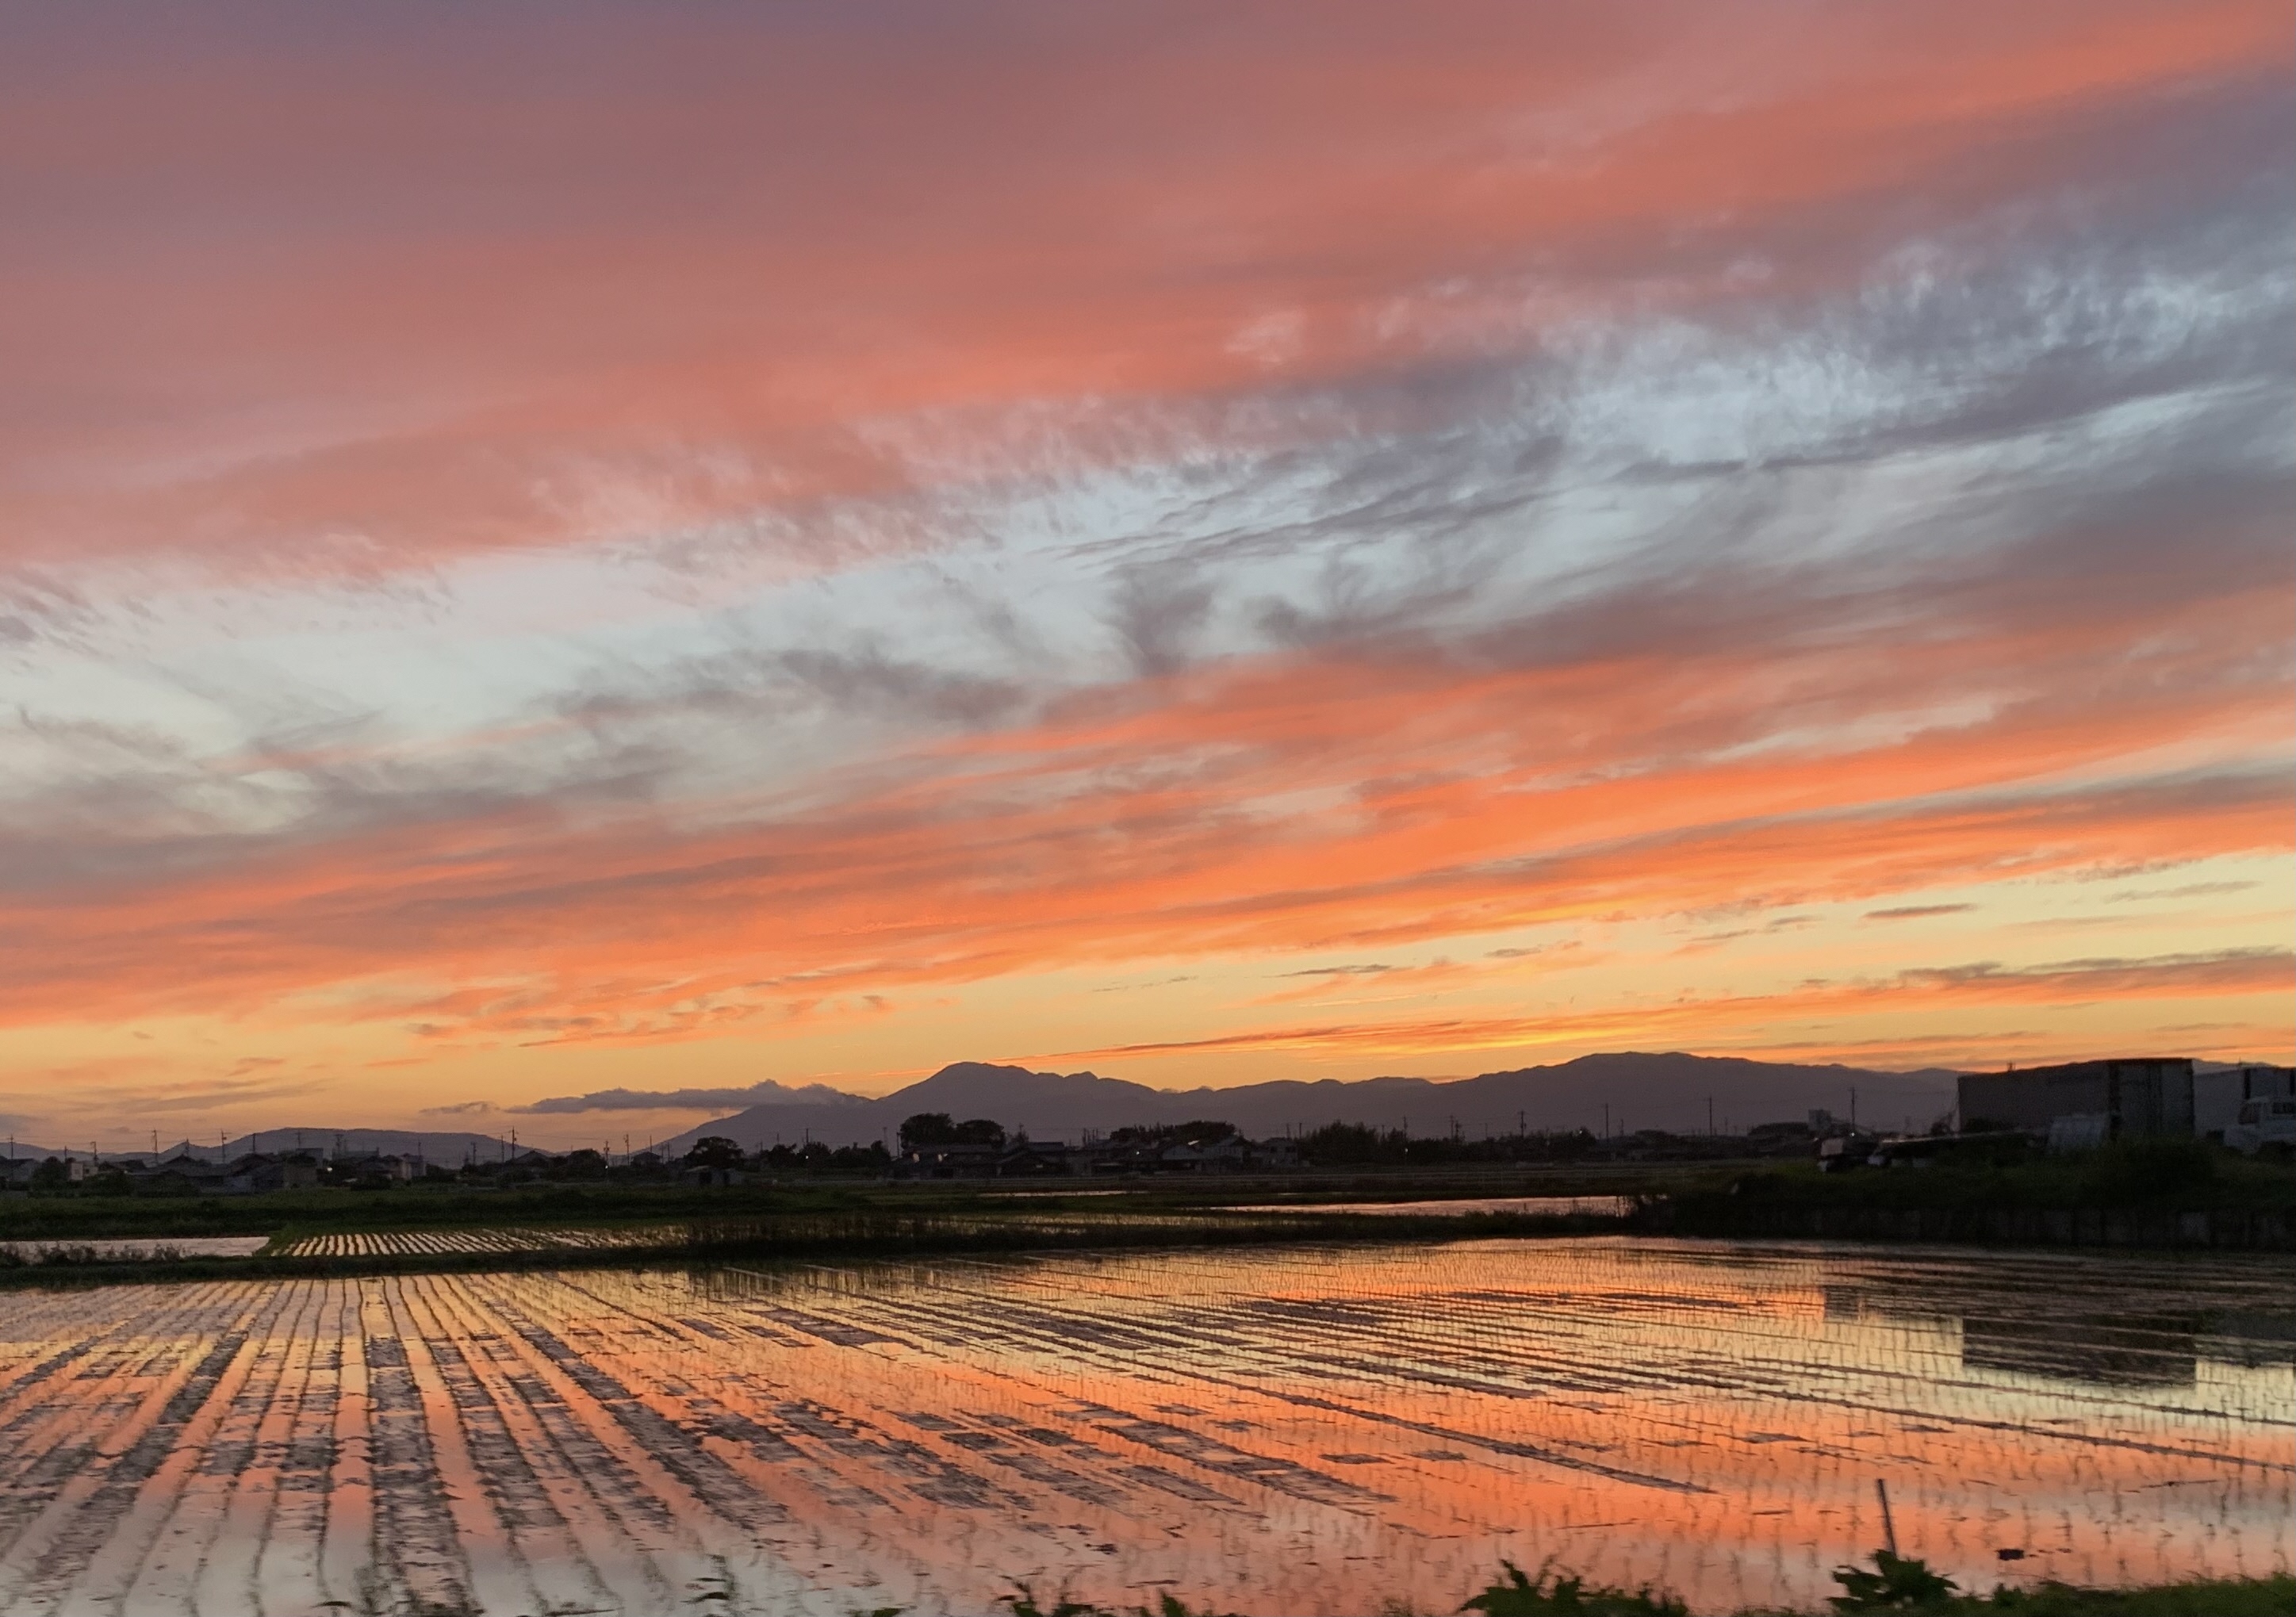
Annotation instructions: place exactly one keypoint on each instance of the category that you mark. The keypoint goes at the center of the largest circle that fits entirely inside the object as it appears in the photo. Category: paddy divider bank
(2143, 1195)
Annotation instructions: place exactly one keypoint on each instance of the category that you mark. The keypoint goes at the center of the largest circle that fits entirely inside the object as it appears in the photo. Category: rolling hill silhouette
(1669, 1091)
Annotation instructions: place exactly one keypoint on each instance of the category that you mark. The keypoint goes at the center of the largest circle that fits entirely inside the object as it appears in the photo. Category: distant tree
(50, 1175)
(1202, 1131)
(645, 1167)
(870, 1159)
(980, 1131)
(927, 1129)
(1354, 1142)
(583, 1164)
(714, 1151)
(107, 1181)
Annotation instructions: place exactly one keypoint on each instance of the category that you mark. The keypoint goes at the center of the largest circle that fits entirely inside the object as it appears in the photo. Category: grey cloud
(872, 680)
(205, 1097)
(1908, 912)
(2198, 967)
(2197, 890)
(690, 1100)
(1156, 612)
(1421, 488)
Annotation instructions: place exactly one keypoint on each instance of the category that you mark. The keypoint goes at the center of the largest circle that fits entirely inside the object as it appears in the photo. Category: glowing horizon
(665, 550)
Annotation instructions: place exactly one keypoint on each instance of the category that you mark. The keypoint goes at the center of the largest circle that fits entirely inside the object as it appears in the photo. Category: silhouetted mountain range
(1624, 1092)
(449, 1148)
(1641, 1091)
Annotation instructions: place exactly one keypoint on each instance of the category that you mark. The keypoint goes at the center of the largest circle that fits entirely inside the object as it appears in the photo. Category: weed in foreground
(1895, 1583)
(2274, 1597)
(1551, 1593)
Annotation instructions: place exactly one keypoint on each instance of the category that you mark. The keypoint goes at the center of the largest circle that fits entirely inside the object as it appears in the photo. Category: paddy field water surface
(1278, 1430)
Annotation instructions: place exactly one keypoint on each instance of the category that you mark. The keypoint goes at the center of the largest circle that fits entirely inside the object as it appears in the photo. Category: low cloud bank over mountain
(755, 1096)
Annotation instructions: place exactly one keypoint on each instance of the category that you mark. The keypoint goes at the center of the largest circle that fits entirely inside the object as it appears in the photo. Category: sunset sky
(556, 548)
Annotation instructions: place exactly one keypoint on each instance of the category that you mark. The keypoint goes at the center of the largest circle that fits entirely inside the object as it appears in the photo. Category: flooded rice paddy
(1293, 1430)
(410, 1242)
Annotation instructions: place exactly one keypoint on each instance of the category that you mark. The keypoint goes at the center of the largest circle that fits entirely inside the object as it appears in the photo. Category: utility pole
(1710, 1115)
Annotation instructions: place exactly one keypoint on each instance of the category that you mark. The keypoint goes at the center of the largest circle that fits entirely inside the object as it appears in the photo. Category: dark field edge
(1517, 1596)
(1721, 1217)
(2154, 1195)
(899, 1235)
(606, 1206)
(886, 1233)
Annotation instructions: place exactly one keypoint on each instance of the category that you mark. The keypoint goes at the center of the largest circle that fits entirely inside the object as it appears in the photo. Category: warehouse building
(2218, 1095)
(2083, 1102)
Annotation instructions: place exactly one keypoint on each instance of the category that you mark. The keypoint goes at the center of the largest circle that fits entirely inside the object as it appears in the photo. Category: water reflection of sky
(1277, 1430)
(1457, 1207)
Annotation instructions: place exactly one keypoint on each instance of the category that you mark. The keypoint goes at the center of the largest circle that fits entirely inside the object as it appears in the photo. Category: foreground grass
(1893, 1586)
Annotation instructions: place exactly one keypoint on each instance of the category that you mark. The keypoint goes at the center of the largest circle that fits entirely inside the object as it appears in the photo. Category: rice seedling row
(1296, 1430)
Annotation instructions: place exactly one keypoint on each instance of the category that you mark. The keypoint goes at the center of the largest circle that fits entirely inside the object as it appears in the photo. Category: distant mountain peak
(1623, 1091)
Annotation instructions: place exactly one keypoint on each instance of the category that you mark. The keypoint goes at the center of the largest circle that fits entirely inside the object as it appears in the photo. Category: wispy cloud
(690, 1100)
(1448, 505)
(1942, 991)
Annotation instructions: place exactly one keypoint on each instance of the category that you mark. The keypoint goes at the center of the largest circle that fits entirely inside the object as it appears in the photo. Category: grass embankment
(609, 1205)
(848, 1235)
(1899, 1586)
(2146, 1194)
(2143, 1193)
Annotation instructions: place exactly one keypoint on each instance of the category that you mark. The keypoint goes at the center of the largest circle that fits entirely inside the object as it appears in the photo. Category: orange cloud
(626, 286)
(1157, 822)
(1933, 992)
(303, 324)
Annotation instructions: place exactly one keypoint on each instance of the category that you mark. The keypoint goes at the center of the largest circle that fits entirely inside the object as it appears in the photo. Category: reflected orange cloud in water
(1307, 1430)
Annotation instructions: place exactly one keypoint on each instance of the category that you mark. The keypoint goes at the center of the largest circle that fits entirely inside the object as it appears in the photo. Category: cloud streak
(1942, 991)
(688, 1100)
